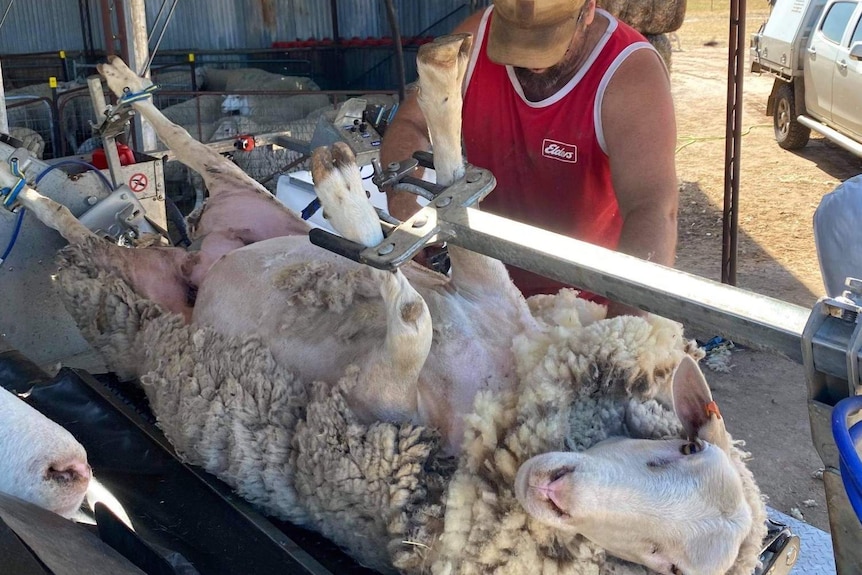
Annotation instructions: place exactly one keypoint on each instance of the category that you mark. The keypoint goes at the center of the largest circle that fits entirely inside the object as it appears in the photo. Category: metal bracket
(120, 216)
(394, 173)
(780, 552)
(114, 124)
(24, 158)
(425, 227)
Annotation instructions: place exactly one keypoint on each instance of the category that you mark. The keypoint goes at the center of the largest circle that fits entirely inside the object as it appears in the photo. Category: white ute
(814, 50)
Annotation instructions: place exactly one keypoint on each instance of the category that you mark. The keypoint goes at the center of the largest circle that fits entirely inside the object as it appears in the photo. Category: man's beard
(538, 86)
(545, 83)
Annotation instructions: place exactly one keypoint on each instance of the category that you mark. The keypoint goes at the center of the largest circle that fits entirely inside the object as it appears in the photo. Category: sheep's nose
(69, 472)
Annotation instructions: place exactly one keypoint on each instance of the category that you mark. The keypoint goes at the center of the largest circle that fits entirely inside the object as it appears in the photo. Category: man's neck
(538, 87)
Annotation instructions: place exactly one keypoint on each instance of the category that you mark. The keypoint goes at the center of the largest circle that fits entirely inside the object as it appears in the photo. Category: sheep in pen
(424, 422)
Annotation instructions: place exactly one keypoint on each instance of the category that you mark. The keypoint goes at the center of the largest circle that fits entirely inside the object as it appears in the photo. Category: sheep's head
(40, 461)
(675, 506)
(235, 105)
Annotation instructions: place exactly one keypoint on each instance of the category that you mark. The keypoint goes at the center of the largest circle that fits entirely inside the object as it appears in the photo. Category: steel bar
(733, 141)
(392, 16)
(161, 35)
(701, 304)
(6, 13)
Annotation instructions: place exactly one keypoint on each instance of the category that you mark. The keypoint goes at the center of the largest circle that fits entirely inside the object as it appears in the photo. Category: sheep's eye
(675, 570)
(691, 447)
(562, 471)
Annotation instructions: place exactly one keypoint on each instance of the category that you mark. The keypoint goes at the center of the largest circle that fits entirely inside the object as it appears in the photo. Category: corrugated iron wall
(53, 25)
(221, 32)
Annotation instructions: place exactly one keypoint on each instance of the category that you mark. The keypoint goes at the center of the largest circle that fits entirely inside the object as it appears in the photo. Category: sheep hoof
(119, 77)
(445, 51)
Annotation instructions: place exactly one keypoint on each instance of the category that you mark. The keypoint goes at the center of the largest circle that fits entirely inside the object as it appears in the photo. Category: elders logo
(560, 151)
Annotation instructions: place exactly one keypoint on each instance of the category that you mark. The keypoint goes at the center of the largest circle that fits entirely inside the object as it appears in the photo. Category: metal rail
(745, 317)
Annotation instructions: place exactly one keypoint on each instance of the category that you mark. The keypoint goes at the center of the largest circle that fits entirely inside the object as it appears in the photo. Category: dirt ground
(764, 396)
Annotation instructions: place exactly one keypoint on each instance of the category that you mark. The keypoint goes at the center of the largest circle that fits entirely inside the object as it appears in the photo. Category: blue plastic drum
(848, 439)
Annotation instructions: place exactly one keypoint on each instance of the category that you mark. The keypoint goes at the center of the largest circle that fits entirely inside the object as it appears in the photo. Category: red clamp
(244, 142)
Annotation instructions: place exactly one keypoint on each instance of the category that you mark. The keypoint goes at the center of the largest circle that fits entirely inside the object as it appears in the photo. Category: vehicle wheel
(790, 134)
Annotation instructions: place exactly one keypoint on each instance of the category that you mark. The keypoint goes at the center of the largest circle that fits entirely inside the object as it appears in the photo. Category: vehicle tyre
(790, 134)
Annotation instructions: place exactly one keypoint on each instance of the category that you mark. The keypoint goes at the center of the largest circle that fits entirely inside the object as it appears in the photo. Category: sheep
(308, 383)
(40, 461)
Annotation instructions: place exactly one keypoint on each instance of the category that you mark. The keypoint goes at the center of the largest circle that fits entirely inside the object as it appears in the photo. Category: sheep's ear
(694, 406)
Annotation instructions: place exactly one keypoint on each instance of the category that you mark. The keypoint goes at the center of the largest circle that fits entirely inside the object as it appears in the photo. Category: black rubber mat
(178, 510)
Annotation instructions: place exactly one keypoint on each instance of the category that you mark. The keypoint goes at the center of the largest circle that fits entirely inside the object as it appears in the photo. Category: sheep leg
(441, 65)
(239, 209)
(156, 273)
(46, 210)
(388, 388)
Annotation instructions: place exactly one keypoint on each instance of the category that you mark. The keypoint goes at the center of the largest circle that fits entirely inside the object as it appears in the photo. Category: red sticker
(138, 182)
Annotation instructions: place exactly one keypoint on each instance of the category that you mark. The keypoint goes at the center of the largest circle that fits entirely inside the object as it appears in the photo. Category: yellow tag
(62, 54)
(191, 57)
(52, 82)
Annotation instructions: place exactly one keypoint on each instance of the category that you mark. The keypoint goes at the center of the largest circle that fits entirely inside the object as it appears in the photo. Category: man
(571, 110)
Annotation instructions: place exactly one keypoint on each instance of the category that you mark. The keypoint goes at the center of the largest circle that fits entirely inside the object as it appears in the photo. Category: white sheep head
(40, 461)
(677, 506)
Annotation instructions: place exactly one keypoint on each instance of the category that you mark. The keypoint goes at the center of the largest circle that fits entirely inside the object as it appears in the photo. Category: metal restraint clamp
(116, 117)
(427, 226)
(10, 194)
(129, 97)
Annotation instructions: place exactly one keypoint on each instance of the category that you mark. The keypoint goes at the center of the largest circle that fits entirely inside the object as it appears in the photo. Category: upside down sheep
(268, 379)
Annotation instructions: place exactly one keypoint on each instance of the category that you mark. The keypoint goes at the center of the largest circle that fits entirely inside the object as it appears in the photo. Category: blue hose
(848, 439)
(38, 179)
(15, 232)
(81, 163)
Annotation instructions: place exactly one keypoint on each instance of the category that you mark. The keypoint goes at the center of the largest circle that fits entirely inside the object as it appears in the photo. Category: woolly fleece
(384, 492)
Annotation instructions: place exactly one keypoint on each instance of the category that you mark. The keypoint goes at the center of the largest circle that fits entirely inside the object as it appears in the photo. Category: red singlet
(549, 157)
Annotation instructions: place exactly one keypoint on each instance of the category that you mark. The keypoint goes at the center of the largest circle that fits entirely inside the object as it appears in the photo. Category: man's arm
(408, 133)
(640, 133)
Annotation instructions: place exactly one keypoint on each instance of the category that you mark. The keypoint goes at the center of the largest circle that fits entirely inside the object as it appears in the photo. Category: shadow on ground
(831, 158)
(699, 252)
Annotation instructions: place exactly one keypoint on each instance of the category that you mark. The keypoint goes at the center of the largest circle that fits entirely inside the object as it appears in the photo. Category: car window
(857, 33)
(836, 20)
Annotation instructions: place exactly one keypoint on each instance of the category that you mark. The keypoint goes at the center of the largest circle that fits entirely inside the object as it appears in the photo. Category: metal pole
(735, 68)
(336, 39)
(109, 144)
(108, 27)
(146, 68)
(4, 119)
(701, 304)
(704, 305)
(6, 13)
(333, 12)
(122, 33)
(399, 50)
(145, 135)
(86, 29)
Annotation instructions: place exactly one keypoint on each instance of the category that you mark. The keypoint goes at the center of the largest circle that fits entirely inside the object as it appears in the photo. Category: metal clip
(114, 124)
(120, 216)
(780, 550)
(395, 171)
(421, 229)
